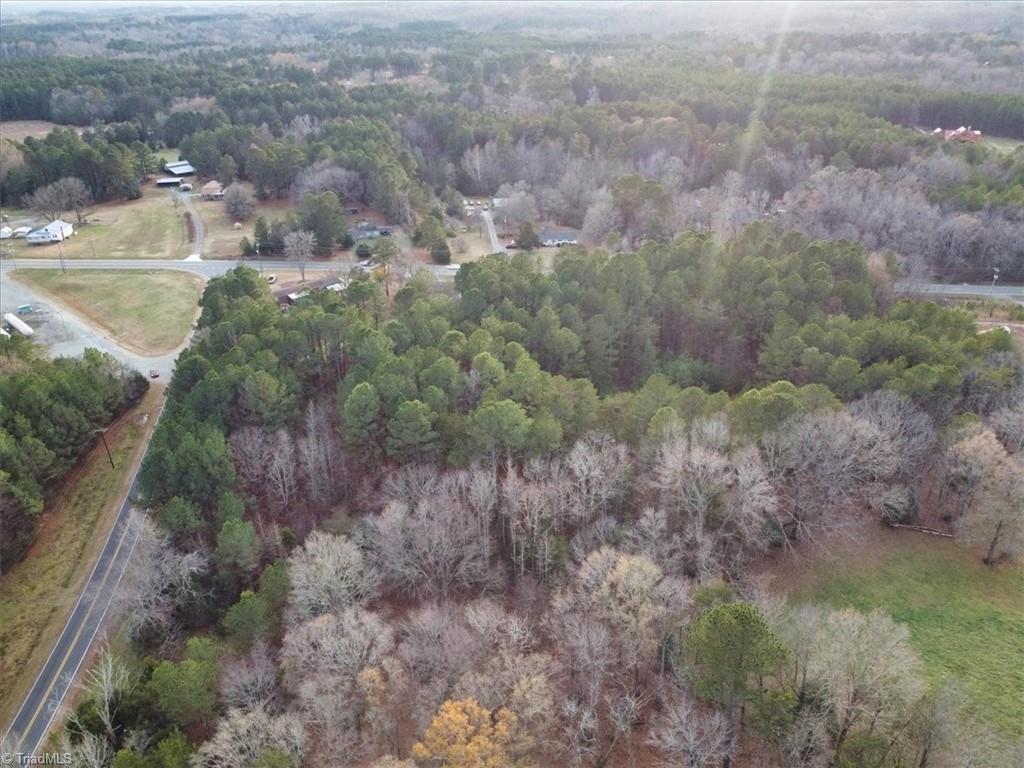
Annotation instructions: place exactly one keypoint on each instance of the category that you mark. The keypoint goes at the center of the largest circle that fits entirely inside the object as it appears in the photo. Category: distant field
(19, 130)
(1005, 145)
(151, 227)
(150, 312)
(966, 620)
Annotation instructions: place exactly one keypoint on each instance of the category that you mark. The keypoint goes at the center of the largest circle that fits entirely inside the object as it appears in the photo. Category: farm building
(364, 230)
(5, 232)
(168, 181)
(962, 134)
(556, 237)
(21, 231)
(54, 232)
(179, 168)
(212, 190)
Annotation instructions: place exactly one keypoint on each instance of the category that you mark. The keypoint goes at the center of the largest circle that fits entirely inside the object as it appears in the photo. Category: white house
(54, 232)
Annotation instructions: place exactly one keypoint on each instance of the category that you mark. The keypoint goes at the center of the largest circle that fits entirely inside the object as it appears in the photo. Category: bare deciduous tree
(320, 458)
(298, 247)
(688, 737)
(822, 464)
(238, 202)
(328, 573)
(433, 549)
(991, 486)
(869, 670)
(908, 428)
(249, 682)
(243, 736)
(157, 580)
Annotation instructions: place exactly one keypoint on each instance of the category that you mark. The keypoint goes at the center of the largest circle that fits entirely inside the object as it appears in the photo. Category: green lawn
(150, 312)
(966, 620)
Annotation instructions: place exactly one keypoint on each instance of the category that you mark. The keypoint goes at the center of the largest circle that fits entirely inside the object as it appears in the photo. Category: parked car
(185, 187)
(511, 245)
(154, 373)
(366, 263)
(271, 279)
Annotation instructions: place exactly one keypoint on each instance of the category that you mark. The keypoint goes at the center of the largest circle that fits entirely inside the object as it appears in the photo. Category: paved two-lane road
(31, 724)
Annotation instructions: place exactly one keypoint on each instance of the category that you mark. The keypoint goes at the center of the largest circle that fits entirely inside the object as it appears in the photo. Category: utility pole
(103, 437)
(60, 250)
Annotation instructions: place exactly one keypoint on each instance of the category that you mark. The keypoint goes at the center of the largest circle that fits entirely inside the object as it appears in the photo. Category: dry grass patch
(151, 227)
(150, 312)
(221, 239)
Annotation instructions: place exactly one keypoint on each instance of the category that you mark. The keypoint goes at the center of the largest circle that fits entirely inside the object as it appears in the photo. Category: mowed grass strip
(37, 594)
(966, 619)
(150, 312)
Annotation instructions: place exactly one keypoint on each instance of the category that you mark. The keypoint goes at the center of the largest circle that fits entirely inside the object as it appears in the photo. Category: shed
(168, 181)
(5, 232)
(212, 190)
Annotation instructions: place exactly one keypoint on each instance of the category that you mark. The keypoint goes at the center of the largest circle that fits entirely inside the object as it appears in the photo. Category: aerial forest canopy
(524, 510)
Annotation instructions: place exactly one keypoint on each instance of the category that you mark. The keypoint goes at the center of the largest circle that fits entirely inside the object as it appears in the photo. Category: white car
(271, 279)
(185, 187)
(366, 263)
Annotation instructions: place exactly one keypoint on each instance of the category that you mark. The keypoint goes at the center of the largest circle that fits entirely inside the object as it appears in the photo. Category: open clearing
(966, 619)
(151, 227)
(221, 239)
(149, 312)
(1003, 145)
(19, 130)
(38, 593)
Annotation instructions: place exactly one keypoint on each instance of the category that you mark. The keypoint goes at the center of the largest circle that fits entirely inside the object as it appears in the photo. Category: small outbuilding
(6, 232)
(168, 181)
(212, 190)
(55, 232)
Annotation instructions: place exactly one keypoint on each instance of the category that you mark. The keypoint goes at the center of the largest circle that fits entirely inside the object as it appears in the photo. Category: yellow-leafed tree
(465, 735)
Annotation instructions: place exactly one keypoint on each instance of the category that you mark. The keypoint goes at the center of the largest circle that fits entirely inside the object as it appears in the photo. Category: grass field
(151, 227)
(37, 594)
(222, 239)
(966, 620)
(149, 312)
(1003, 145)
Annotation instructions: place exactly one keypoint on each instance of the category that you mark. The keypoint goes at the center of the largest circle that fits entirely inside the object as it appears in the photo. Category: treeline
(109, 169)
(524, 363)
(50, 412)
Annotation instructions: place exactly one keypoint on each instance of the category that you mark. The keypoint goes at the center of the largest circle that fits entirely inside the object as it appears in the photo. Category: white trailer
(17, 324)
